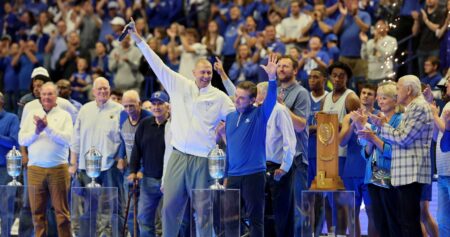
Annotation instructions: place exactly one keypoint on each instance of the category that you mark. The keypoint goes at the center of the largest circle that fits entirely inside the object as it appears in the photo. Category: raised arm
(271, 98)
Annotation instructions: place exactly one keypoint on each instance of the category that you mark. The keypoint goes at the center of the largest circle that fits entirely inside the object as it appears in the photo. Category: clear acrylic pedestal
(13, 200)
(331, 212)
(94, 211)
(215, 213)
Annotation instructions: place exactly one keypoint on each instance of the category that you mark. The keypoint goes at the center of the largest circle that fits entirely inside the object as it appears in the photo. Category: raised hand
(131, 27)
(342, 9)
(218, 66)
(428, 94)
(271, 67)
(363, 37)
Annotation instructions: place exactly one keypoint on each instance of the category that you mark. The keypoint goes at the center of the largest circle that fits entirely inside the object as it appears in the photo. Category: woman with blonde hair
(379, 153)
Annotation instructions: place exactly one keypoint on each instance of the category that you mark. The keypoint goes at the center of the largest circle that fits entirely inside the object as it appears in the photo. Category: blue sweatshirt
(9, 130)
(246, 137)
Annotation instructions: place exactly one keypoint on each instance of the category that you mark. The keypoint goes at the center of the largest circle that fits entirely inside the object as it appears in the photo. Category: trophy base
(93, 185)
(14, 183)
(217, 187)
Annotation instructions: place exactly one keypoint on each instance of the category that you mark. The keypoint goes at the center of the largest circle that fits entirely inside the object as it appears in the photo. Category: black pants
(396, 211)
(282, 199)
(252, 194)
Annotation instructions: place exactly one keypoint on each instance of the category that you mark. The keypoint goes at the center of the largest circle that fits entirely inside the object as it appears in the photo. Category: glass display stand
(13, 201)
(94, 211)
(328, 212)
(215, 213)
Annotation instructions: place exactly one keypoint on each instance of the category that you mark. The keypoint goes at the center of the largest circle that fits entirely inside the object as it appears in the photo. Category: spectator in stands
(294, 28)
(312, 58)
(44, 23)
(10, 78)
(332, 48)
(107, 10)
(116, 96)
(191, 50)
(275, 20)
(244, 69)
(379, 53)
(230, 35)
(321, 25)
(247, 33)
(81, 81)
(432, 76)
(443, 32)
(142, 27)
(124, 64)
(27, 21)
(11, 21)
(57, 43)
(101, 61)
(266, 44)
(65, 90)
(69, 14)
(213, 40)
(157, 13)
(27, 59)
(67, 63)
(426, 22)
(351, 22)
(89, 25)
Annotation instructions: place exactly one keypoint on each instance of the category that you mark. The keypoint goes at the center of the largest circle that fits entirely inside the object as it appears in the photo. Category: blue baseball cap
(331, 37)
(159, 96)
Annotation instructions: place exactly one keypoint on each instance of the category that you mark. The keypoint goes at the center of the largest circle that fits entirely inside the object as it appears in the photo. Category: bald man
(196, 109)
(97, 125)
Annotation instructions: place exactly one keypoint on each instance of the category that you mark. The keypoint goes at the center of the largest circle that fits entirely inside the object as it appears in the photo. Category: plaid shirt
(410, 141)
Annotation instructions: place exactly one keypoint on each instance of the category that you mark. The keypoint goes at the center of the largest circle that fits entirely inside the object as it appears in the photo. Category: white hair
(133, 94)
(98, 79)
(412, 82)
(52, 85)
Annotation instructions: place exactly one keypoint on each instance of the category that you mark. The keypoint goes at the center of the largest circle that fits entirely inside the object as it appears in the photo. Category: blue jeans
(150, 195)
(300, 181)
(443, 217)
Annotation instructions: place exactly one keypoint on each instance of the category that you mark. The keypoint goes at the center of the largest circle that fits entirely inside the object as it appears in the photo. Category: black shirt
(148, 149)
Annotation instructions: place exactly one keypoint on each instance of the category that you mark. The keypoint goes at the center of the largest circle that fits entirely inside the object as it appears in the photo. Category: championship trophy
(14, 165)
(216, 166)
(93, 166)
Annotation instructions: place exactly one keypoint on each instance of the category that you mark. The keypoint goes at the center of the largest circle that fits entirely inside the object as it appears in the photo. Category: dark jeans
(150, 196)
(385, 210)
(252, 194)
(282, 199)
(299, 181)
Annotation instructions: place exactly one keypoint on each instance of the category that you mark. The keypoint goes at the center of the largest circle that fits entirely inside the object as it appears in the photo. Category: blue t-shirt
(246, 137)
(26, 68)
(432, 81)
(316, 31)
(157, 16)
(9, 130)
(334, 53)
(409, 6)
(349, 41)
(11, 76)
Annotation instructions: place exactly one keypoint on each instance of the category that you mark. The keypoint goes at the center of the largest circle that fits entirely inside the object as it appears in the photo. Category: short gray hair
(413, 82)
(133, 94)
(53, 85)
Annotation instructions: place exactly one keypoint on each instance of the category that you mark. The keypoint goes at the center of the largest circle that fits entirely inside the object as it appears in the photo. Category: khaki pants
(53, 183)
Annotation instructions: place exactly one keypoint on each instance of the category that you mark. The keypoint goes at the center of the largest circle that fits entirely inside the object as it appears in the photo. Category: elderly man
(97, 125)
(150, 151)
(411, 163)
(46, 132)
(130, 119)
(197, 108)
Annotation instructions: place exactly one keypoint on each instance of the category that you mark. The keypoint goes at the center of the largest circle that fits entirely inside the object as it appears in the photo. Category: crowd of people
(249, 75)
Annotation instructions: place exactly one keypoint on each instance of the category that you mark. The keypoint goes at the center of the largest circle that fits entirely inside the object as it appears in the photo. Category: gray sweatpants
(184, 172)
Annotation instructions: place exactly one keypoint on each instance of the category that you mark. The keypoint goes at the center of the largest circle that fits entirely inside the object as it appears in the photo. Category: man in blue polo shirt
(246, 159)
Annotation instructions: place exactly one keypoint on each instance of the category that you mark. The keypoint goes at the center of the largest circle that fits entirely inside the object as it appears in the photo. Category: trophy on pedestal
(14, 165)
(93, 166)
(216, 166)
